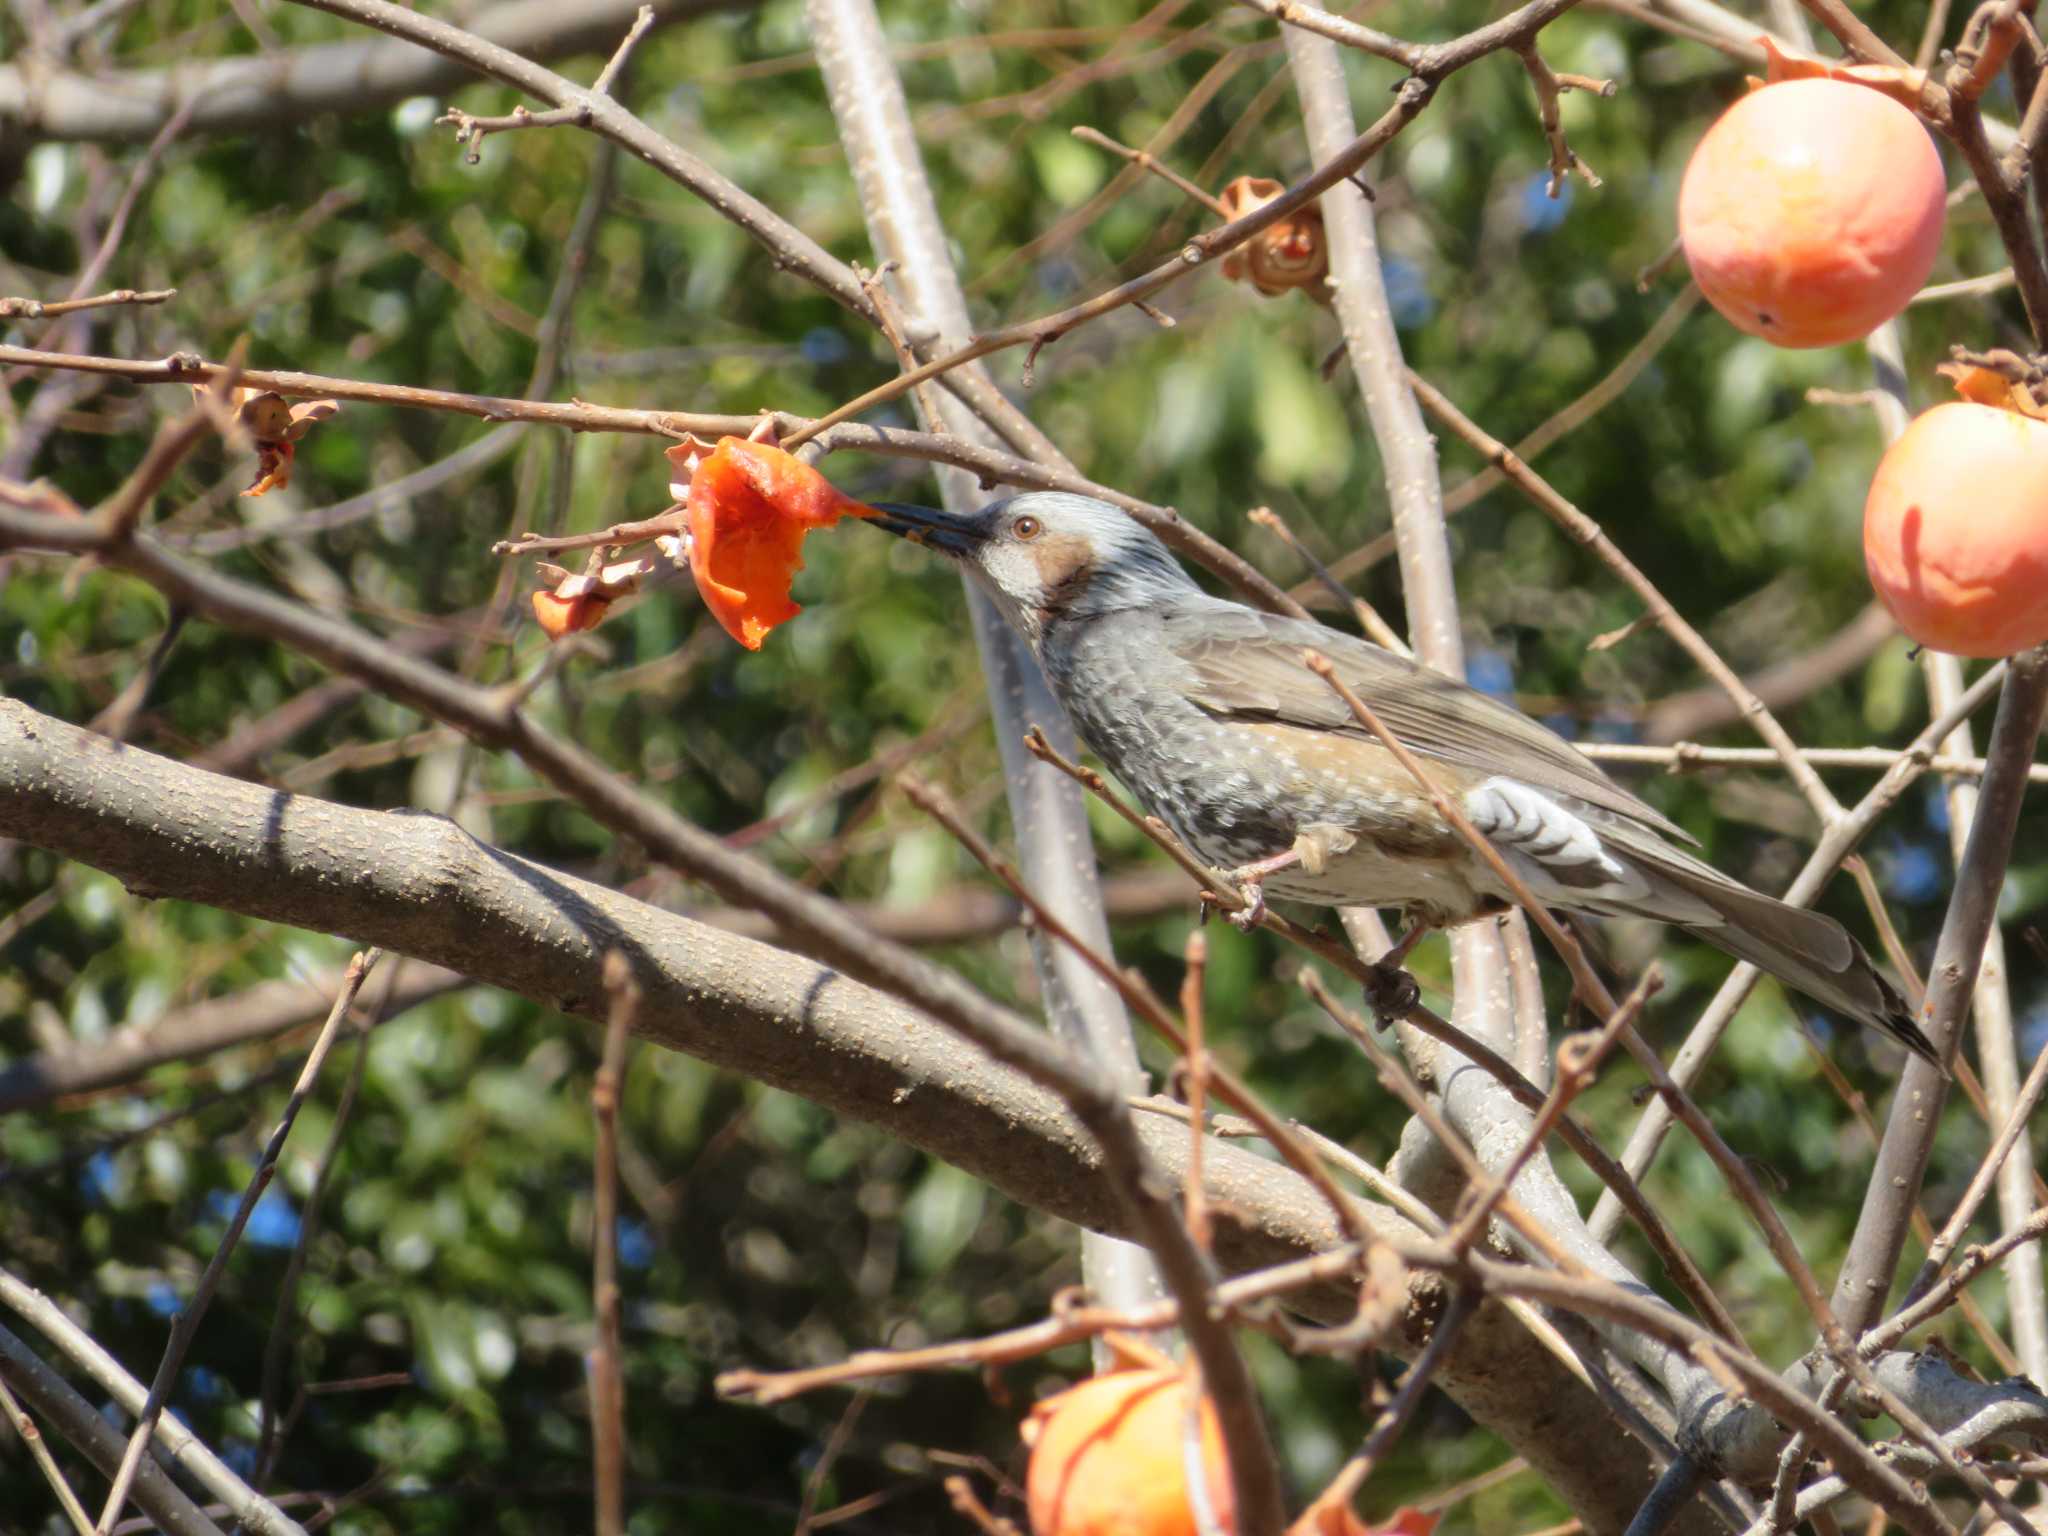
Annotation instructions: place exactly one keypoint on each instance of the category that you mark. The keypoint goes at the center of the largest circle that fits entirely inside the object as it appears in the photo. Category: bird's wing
(1248, 665)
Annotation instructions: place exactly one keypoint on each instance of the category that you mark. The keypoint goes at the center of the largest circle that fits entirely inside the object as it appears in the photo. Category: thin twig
(1343, 1488)
(1942, 1294)
(1194, 1207)
(284, 1319)
(1368, 616)
(607, 1356)
(1147, 161)
(23, 1423)
(1687, 756)
(1578, 1063)
(988, 465)
(1068, 1324)
(36, 309)
(187, 1324)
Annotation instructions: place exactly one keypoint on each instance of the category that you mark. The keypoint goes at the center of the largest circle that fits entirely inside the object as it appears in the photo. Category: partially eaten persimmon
(560, 616)
(750, 506)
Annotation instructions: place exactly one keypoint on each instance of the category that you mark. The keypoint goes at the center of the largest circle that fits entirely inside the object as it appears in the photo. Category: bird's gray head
(1048, 557)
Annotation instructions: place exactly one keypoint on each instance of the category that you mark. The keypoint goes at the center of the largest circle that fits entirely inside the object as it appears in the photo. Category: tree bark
(418, 885)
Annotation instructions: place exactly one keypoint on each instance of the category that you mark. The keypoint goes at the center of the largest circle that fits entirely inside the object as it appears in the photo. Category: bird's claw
(1391, 993)
(1247, 917)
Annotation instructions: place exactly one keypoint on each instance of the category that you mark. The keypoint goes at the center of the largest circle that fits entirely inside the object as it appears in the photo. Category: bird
(1206, 710)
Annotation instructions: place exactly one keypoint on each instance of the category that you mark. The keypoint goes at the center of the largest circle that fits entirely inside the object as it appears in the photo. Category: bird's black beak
(956, 536)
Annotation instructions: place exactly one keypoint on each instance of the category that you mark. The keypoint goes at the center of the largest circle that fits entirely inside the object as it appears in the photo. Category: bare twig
(1194, 1209)
(23, 1423)
(1549, 86)
(67, 1412)
(1578, 1062)
(1902, 1159)
(248, 1507)
(285, 1320)
(1351, 1477)
(1687, 756)
(187, 1324)
(989, 466)
(1368, 616)
(1559, 425)
(1147, 161)
(471, 130)
(37, 309)
(607, 1357)
(1943, 1293)
(1068, 1324)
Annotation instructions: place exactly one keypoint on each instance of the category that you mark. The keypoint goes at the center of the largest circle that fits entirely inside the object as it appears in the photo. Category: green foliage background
(453, 1247)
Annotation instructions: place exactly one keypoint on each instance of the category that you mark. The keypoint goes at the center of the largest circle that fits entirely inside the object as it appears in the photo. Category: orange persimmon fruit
(1955, 530)
(1107, 1458)
(1812, 211)
(750, 506)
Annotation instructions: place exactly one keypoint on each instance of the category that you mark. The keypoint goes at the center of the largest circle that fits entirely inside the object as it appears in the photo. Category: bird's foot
(1391, 993)
(1249, 880)
(1253, 894)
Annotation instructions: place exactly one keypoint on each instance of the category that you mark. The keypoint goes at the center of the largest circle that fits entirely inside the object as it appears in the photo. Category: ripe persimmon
(1107, 1458)
(1955, 530)
(1812, 211)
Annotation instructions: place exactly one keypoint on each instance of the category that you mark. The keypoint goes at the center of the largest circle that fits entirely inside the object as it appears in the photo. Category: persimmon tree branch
(421, 886)
(820, 925)
(1435, 63)
(267, 90)
(989, 465)
(1872, 1262)
(1834, 845)
(1047, 810)
(61, 1407)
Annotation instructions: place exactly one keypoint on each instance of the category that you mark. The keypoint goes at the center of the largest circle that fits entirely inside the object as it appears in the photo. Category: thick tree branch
(421, 886)
(1872, 1262)
(267, 90)
(59, 1406)
(1046, 808)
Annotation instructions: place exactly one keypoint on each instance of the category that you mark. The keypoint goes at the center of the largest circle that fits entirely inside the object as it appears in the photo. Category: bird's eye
(1025, 528)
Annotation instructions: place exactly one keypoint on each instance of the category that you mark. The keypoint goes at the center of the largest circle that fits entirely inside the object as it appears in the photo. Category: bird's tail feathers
(1803, 949)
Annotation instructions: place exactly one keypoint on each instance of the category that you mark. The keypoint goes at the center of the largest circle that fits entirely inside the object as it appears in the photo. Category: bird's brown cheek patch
(1065, 564)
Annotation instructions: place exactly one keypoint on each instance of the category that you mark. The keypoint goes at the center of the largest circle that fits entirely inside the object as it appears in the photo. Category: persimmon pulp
(750, 506)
